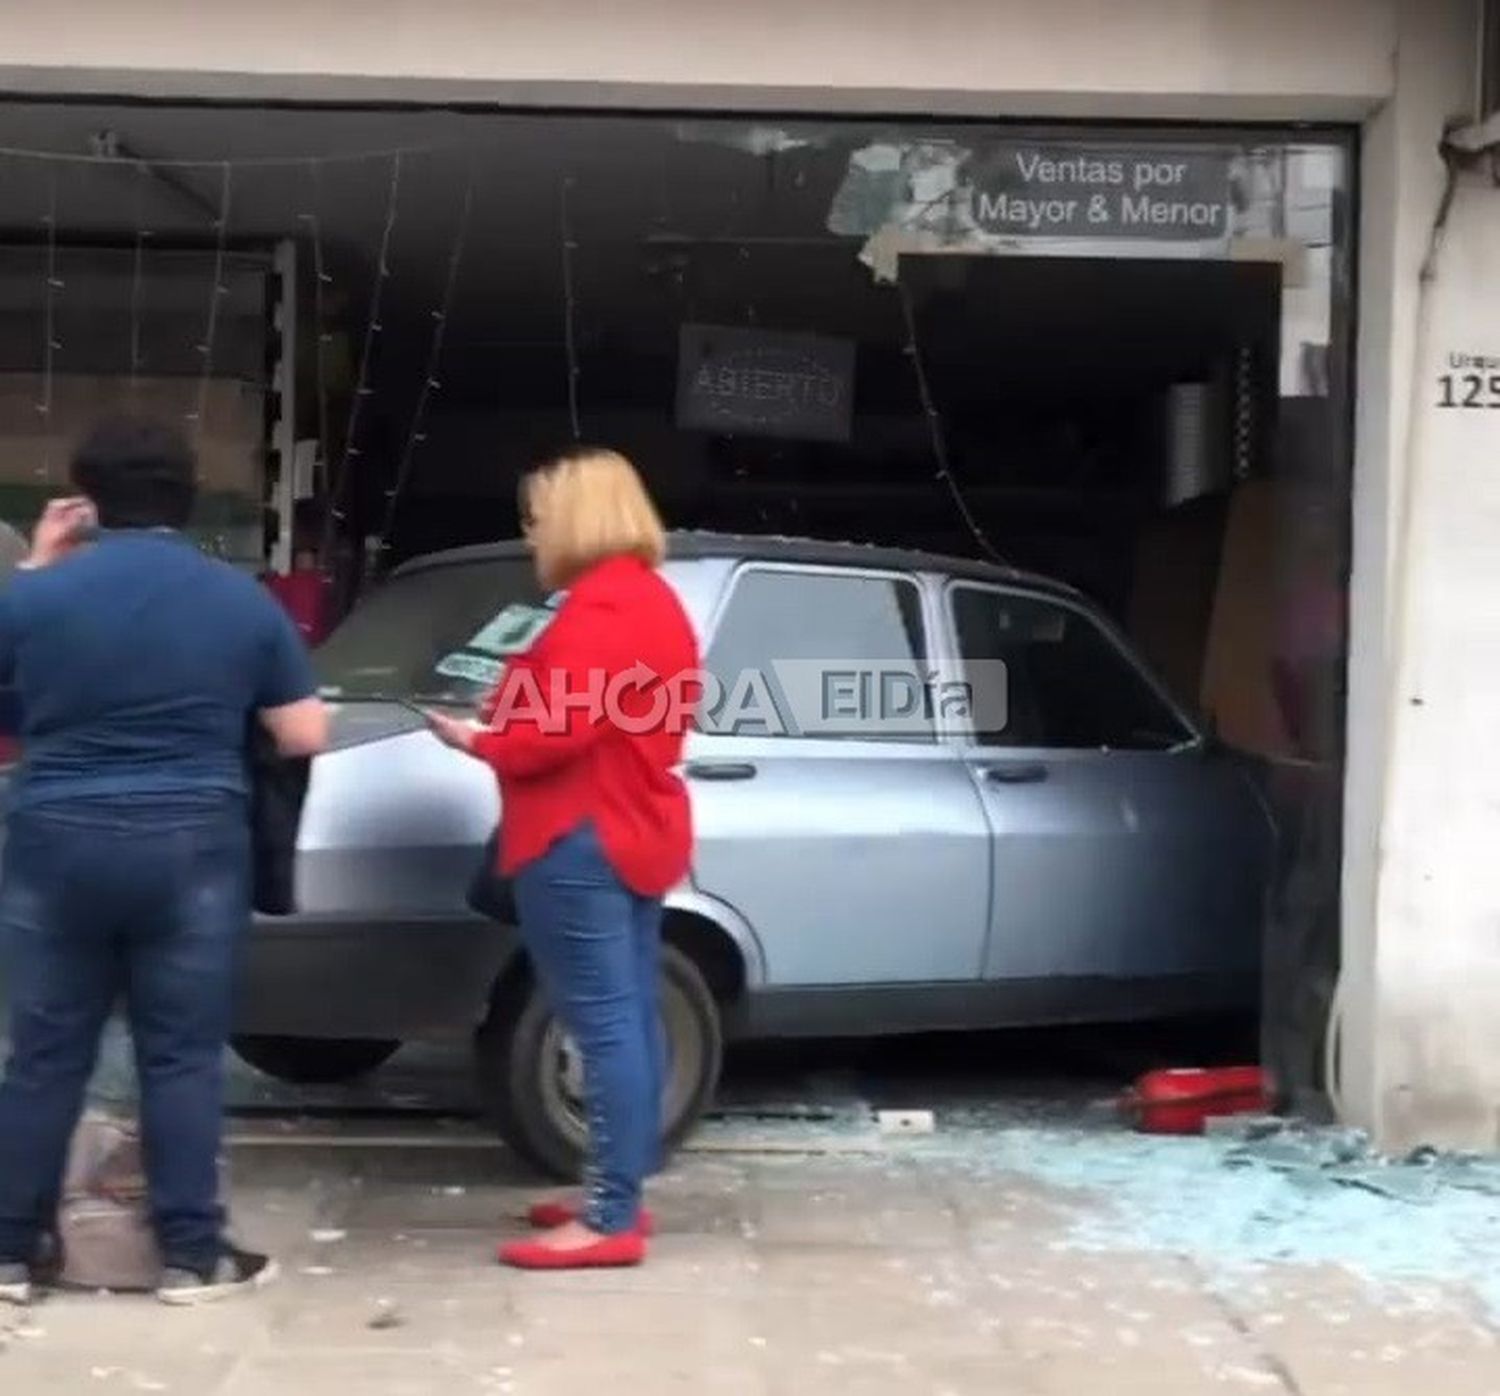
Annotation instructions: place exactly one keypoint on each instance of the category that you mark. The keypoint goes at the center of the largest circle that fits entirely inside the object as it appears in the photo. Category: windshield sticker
(473, 668)
(511, 631)
(483, 658)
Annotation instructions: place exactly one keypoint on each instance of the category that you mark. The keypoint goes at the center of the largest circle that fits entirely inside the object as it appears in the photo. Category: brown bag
(104, 1220)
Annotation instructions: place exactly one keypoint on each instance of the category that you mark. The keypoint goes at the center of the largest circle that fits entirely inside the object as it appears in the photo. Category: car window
(801, 653)
(440, 632)
(1068, 685)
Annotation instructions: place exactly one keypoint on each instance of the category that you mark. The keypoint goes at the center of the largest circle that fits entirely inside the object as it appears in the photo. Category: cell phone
(84, 525)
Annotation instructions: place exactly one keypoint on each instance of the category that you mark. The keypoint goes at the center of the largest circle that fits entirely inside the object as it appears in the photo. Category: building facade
(1420, 995)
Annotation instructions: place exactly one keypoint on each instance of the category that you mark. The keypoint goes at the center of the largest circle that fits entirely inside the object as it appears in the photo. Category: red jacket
(589, 723)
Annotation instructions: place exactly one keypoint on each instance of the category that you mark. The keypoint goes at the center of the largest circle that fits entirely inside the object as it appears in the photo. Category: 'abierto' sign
(735, 380)
(1103, 192)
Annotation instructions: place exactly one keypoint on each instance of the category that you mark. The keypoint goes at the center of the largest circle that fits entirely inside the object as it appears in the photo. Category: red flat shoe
(548, 1216)
(608, 1253)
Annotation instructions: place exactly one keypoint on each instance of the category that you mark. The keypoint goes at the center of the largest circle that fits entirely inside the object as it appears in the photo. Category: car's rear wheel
(531, 1073)
(314, 1061)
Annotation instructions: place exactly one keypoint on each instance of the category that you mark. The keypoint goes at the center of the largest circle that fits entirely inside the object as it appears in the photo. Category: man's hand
(452, 731)
(63, 526)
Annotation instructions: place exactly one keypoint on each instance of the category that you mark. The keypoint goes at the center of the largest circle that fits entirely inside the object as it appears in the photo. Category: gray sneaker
(236, 1272)
(15, 1283)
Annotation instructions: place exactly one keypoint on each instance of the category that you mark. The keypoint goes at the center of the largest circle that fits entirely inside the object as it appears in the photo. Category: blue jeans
(596, 947)
(102, 900)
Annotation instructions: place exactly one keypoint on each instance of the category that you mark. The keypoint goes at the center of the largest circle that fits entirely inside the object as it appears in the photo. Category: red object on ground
(1183, 1101)
(306, 596)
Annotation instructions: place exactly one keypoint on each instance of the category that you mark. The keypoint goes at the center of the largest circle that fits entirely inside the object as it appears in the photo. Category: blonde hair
(587, 505)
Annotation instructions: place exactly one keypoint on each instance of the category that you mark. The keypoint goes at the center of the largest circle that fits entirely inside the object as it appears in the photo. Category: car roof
(811, 552)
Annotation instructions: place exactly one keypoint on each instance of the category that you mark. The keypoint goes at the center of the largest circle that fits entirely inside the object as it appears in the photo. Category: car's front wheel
(531, 1073)
(314, 1061)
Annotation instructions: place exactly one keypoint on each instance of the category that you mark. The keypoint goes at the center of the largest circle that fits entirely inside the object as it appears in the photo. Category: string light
(362, 389)
(321, 280)
(266, 162)
(431, 383)
(335, 474)
(137, 278)
(570, 338)
(935, 424)
(749, 298)
(1244, 413)
(50, 343)
(215, 296)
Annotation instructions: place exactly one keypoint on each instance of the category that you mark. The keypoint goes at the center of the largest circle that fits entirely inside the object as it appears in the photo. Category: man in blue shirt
(135, 666)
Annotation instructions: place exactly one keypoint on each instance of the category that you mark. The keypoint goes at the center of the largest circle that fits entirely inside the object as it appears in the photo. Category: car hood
(355, 724)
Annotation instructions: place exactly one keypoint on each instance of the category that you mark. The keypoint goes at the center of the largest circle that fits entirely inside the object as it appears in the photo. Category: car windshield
(439, 634)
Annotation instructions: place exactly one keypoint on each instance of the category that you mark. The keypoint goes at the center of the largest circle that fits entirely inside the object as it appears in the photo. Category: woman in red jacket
(583, 732)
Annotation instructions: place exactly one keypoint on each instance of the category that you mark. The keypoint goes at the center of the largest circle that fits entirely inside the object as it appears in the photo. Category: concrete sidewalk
(887, 1270)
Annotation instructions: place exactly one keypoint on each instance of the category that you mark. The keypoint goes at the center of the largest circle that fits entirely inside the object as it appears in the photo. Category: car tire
(530, 1078)
(314, 1061)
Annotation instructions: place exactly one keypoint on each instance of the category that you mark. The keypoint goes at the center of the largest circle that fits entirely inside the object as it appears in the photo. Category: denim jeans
(596, 946)
(145, 901)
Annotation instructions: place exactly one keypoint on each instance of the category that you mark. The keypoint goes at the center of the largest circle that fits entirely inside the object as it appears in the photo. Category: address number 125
(1469, 390)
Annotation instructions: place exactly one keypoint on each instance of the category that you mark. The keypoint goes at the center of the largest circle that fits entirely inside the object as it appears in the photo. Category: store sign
(1103, 192)
(1469, 380)
(759, 383)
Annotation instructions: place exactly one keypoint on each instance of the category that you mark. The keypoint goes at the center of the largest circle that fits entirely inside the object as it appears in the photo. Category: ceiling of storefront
(668, 223)
(1048, 371)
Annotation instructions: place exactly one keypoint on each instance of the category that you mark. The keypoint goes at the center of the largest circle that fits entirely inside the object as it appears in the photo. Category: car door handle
(1028, 774)
(720, 770)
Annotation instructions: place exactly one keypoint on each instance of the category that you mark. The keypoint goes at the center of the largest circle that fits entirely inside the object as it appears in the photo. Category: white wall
(1228, 58)
(1438, 954)
(1402, 184)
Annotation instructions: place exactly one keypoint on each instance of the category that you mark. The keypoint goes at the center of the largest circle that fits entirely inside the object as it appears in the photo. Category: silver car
(1040, 835)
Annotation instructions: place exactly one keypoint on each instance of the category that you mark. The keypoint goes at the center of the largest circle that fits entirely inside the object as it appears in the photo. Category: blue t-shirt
(134, 667)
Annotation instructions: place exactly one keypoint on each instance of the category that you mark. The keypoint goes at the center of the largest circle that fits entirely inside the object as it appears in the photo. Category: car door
(1124, 849)
(849, 838)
